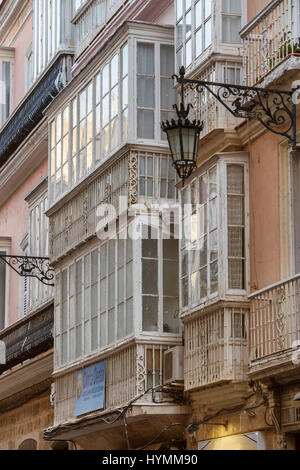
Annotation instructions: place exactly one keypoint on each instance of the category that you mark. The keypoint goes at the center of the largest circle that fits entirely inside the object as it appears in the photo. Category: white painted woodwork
(77, 220)
(91, 18)
(52, 31)
(216, 347)
(129, 373)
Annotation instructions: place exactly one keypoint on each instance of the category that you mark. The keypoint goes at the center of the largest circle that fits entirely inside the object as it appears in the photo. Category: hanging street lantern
(183, 137)
(275, 109)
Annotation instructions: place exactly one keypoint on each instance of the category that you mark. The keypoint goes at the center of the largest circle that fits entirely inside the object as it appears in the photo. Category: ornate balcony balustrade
(205, 107)
(27, 338)
(136, 175)
(275, 319)
(270, 39)
(216, 348)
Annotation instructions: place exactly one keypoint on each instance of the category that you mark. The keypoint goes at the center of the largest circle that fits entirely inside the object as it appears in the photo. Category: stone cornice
(9, 12)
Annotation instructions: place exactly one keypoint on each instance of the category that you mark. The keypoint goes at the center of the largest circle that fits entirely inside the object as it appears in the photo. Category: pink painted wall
(264, 212)
(254, 7)
(14, 223)
(20, 38)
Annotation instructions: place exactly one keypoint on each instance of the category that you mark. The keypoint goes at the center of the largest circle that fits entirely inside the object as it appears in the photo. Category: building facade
(144, 266)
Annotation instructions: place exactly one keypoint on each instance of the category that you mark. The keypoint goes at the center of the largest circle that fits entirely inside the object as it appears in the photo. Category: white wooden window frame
(137, 330)
(38, 243)
(24, 283)
(7, 54)
(224, 162)
(160, 294)
(223, 290)
(130, 108)
(72, 182)
(233, 15)
(210, 295)
(52, 31)
(5, 247)
(29, 68)
(86, 352)
(157, 84)
(292, 210)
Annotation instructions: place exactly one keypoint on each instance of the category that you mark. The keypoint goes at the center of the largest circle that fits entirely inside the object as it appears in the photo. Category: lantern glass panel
(174, 136)
(188, 136)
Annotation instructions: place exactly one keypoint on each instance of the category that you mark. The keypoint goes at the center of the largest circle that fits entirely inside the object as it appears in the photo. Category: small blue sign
(90, 389)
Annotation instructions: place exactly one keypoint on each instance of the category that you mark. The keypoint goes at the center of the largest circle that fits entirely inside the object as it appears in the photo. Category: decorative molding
(133, 178)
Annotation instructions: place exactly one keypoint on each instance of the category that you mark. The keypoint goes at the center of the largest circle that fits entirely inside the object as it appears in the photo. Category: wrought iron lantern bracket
(31, 266)
(274, 109)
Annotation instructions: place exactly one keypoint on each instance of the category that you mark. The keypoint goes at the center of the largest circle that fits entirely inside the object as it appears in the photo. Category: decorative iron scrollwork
(28, 266)
(274, 109)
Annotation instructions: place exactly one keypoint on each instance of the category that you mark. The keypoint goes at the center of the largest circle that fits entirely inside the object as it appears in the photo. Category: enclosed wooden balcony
(130, 371)
(271, 39)
(205, 107)
(216, 348)
(275, 324)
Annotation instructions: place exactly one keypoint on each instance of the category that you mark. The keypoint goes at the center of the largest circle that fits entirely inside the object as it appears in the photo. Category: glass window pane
(129, 280)
(105, 80)
(149, 248)
(150, 276)
(188, 24)
(150, 313)
(236, 274)
(125, 60)
(170, 278)
(188, 53)
(121, 321)
(207, 34)
(145, 92)
(129, 317)
(166, 60)
(195, 288)
(103, 323)
(198, 14)
(94, 344)
(203, 283)
(231, 27)
(171, 316)
(114, 70)
(145, 128)
(111, 326)
(199, 42)
(145, 59)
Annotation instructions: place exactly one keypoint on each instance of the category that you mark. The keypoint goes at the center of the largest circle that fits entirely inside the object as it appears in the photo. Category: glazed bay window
(214, 233)
(118, 104)
(193, 29)
(91, 127)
